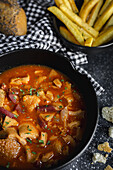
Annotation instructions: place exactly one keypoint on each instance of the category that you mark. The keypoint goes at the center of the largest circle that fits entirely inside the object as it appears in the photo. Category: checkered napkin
(41, 35)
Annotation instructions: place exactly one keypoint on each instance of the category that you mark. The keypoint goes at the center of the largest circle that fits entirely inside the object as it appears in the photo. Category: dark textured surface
(100, 66)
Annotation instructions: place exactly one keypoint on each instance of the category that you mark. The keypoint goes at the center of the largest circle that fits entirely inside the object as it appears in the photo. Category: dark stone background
(100, 66)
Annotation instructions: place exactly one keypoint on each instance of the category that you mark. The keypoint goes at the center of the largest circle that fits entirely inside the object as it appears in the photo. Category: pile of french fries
(91, 26)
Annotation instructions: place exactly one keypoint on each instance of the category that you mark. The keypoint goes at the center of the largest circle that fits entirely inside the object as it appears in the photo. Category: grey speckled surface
(100, 66)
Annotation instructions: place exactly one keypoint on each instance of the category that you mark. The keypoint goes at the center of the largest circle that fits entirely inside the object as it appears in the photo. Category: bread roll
(13, 19)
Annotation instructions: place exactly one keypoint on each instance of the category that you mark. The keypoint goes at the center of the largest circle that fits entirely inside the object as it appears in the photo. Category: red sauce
(49, 112)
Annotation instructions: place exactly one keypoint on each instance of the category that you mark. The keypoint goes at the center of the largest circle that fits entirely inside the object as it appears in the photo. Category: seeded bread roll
(12, 18)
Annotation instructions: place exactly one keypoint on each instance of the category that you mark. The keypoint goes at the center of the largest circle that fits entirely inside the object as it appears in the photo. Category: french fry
(106, 4)
(69, 24)
(58, 2)
(104, 17)
(89, 42)
(67, 4)
(105, 37)
(94, 13)
(87, 8)
(83, 32)
(67, 35)
(75, 18)
(73, 6)
(83, 5)
(109, 23)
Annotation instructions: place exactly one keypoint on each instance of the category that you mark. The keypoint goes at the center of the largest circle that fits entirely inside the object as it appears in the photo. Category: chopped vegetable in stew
(42, 117)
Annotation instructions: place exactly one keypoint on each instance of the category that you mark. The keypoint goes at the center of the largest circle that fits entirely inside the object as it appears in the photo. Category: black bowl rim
(96, 100)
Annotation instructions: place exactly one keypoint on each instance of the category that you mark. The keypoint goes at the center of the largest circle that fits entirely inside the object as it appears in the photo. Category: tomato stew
(42, 117)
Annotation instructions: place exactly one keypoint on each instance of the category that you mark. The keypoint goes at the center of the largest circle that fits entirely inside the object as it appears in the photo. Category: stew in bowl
(60, 121)
(42, 117)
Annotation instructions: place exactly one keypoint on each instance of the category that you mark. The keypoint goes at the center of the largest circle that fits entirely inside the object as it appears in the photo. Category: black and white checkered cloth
(41, 35)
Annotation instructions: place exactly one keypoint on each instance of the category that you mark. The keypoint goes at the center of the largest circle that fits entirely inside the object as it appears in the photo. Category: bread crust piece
(97, 157)
(108, 168)
(107, 113)
(21, 23)
(12, 18)
(104, 147)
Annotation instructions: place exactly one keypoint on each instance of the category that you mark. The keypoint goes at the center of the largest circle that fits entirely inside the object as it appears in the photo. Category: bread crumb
(111, 132)
(108, 168)
(106, 155)
(97, 157)
(107, 113)
(105, 147)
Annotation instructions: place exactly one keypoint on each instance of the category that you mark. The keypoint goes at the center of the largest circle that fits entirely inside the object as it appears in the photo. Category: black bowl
(74, 47)
(50, 59)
